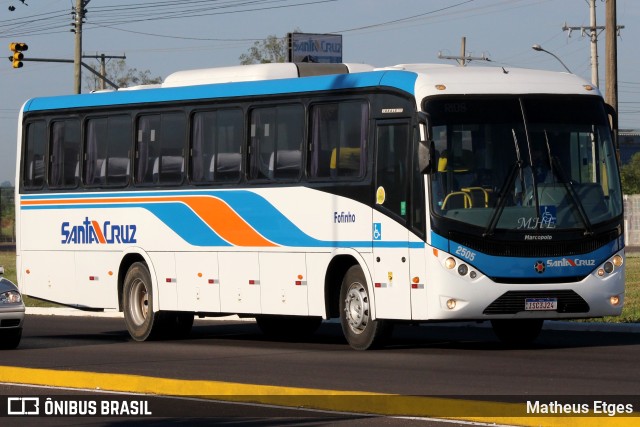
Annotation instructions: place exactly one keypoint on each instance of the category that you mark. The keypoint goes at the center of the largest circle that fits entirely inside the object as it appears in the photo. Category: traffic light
(17, 56)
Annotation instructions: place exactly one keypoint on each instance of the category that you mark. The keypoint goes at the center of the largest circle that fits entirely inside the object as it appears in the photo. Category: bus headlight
(608, 267)
(450, 263)
(463, 269)
(617, 260)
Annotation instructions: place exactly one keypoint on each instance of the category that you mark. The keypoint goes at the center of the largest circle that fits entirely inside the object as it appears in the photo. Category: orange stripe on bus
(226, 222)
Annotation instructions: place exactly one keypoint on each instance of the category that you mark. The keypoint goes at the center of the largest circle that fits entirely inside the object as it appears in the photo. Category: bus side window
(216, 146)
(276, 142)
(64, 154)
(160, 149)
(115, 170)
(33, 165)
(338, 139)
(107, 148)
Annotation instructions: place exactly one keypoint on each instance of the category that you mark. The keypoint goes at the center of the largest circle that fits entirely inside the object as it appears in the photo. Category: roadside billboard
(321, 48)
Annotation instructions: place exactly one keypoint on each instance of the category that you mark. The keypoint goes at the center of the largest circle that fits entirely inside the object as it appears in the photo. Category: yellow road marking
(330, 400)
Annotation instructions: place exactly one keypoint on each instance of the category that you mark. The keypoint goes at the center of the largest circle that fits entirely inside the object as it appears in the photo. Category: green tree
(630, 175)
(271, 49)
(118, 72)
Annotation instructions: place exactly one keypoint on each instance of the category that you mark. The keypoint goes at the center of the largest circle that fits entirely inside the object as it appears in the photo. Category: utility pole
(463, 52)
(463, 58)
(103, 65)
(79, 12)
(594, 44)
(611, 53)
(594, 31)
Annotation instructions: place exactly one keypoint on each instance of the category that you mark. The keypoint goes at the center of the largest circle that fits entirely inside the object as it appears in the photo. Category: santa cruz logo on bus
(90, 232)
(539, 267)
(567, 262)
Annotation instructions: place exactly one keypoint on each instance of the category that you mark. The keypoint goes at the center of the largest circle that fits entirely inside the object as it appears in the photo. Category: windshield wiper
(574, 196)
(516, 168)
(558, 170)
(506, 186)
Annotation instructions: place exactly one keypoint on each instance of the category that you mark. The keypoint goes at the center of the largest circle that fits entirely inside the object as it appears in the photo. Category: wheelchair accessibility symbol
(377, 231)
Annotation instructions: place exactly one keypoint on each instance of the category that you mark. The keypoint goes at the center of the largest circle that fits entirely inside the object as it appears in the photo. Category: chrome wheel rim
(356, 307)
(139, 302)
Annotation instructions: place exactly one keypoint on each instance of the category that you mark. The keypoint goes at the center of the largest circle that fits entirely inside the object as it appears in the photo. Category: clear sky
(167, 36)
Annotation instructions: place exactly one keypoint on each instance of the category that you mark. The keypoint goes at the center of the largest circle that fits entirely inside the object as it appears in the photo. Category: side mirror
(426, 148)
(426, 152)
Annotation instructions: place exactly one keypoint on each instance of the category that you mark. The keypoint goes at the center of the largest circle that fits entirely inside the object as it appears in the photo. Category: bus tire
(360, 330)
(142, 323)
(517, 332)
(288, 328)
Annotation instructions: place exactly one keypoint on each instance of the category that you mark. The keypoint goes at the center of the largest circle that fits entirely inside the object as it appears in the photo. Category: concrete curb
(551, 325)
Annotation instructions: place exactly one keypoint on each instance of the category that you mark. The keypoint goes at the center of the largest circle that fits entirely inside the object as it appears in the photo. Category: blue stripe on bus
(402, 80)
(261, 215)
(439, 242)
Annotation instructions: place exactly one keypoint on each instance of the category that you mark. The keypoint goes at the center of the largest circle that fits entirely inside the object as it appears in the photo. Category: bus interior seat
(348, 164)
(170, 171)
(36, 171)
(225, 166)
(118, 172)
(285, 164)
(76, 174)
(93, 177)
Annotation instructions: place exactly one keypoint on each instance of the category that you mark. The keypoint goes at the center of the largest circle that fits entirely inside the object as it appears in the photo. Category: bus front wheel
(360, 330)
(142, 323)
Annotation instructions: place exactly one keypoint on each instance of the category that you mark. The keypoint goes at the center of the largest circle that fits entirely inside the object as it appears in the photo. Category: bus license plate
(540, 304)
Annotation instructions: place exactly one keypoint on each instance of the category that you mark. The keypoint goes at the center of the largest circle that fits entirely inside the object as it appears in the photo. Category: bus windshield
(523, 163)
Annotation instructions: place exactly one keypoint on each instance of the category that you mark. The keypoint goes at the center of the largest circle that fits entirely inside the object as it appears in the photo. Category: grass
(630, 313)
(8, 261)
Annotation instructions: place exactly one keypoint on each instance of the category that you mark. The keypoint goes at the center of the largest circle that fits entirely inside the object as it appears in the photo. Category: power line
(110, 16)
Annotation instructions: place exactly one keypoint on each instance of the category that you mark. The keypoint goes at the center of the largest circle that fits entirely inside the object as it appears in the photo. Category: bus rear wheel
(517, 332)
(142, 323)
(359, 328)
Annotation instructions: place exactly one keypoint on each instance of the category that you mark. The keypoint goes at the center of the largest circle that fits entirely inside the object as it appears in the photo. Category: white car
(11, 314)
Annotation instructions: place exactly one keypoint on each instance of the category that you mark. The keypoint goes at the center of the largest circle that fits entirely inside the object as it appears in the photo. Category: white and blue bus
(294, 193)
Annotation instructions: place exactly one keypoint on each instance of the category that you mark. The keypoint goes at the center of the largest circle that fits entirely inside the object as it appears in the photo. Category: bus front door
(392, 286)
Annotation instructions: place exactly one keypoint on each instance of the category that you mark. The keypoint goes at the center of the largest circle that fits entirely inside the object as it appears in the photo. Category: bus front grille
(512, 302)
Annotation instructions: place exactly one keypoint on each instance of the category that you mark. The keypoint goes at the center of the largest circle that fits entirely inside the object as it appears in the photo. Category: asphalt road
(437, 361)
